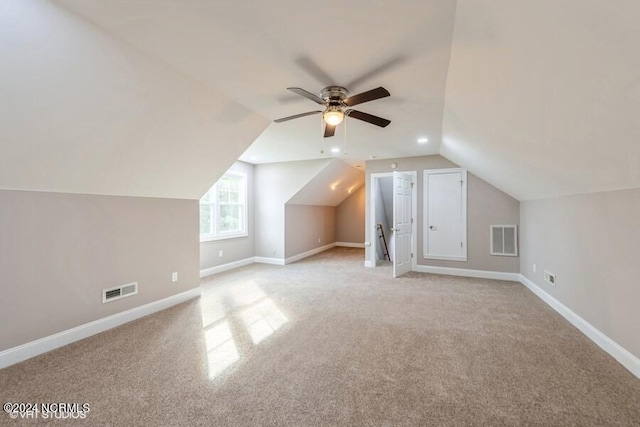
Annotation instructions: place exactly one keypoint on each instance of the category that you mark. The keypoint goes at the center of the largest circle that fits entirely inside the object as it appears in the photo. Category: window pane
(205, 219)
(230, 218)
(223, 190)
(234, 197)
(223, 208)
(234, 183)
(235, 187)
(206, 197)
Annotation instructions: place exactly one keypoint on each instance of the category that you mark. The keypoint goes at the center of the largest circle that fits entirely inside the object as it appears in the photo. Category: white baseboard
(225, 267)
(626, 359)
(35, 348)
(480, 274)
(350, 245)
(309, 253)
(272, 261)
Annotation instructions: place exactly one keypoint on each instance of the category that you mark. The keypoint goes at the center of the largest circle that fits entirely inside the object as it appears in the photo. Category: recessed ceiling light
(423, 140)
(335, 150)
(254, 158)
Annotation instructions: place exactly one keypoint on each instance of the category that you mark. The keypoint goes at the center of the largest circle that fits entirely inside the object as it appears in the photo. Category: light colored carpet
(327, 342)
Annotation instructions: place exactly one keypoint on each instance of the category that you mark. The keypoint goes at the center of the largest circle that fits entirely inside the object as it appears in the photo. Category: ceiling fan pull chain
(344, 136)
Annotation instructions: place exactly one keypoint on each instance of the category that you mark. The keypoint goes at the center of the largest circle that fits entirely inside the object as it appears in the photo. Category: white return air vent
(504, 240)
(112, 294)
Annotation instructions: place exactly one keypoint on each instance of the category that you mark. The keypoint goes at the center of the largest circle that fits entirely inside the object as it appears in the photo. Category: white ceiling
(331, 186)
(253, 51)
(543, 97)
(538, 98)
(81, 112)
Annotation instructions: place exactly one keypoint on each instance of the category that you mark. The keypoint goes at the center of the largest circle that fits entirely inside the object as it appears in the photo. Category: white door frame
(425, 202)
(373, 238)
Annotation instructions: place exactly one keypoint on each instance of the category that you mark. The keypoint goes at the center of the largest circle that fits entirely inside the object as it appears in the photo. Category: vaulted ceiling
(253, 51)
(82, 112)
(539, 99)
(543, 97)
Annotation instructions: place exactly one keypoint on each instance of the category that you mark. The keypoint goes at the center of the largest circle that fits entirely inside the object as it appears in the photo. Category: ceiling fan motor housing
(334, 95)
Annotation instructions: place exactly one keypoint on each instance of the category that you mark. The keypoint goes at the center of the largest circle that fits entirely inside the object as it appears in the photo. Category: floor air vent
(112, 294)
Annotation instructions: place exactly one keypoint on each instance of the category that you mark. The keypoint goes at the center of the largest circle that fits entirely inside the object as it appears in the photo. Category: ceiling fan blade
(285, 119)
(380, 69)
(367, 96)
(369, 118)
(315, 71)
(306, 94)
(329, 130)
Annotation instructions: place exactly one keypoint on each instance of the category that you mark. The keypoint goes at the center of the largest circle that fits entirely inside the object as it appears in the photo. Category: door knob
(431, 227)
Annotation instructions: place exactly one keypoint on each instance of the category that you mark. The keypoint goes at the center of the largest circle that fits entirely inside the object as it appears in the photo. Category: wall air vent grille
(504, 240)
(112, 294)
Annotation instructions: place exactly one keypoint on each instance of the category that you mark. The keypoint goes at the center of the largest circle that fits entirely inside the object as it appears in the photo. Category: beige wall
(350, 218)
(486, 205)
(308, 227)
(275, 184)
(58, 251)
(591, 243)
(238, 248)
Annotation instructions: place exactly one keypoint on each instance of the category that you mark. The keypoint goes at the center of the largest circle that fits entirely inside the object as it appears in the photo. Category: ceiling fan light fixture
(333, 116)
(337, 102)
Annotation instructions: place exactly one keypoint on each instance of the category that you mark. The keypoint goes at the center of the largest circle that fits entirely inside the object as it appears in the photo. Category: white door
(446, 221)
(402, 224)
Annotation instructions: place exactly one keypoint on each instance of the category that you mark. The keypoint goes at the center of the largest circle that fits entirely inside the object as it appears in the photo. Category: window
(223, 209)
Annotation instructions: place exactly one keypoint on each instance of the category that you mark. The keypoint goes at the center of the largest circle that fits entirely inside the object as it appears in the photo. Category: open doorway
(392, 228)
(383, 220)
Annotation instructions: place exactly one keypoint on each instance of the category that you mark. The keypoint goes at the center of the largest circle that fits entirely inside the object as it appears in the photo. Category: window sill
(204, 239)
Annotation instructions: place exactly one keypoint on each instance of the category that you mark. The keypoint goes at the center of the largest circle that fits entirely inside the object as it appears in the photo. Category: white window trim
(214, 237)
(232, 235)
(425, 208)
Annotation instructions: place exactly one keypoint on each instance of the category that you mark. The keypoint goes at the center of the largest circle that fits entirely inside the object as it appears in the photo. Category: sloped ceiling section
(331, 186)
(253, 51)
(543, 97)
(84, 113)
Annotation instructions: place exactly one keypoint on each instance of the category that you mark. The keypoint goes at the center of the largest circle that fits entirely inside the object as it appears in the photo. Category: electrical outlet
(550, 278)
(220, 253)
(534, 268)
(174, 276)
(275, 252)
(319, 240)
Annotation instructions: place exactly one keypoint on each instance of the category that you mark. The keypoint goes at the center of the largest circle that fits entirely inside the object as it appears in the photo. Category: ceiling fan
(336, 101)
